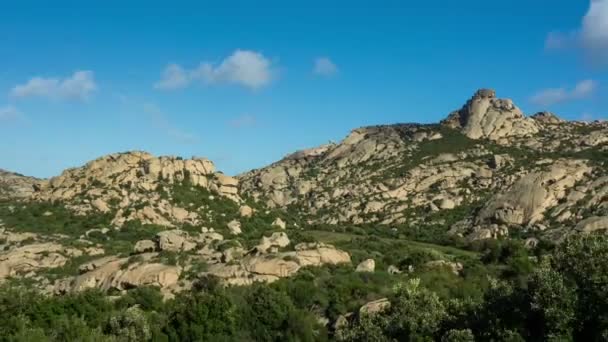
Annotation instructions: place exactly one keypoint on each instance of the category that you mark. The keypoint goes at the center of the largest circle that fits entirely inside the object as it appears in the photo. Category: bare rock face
(13, 185)
(34, 257)
(112, 273)
(485, 116)
(528, 199)
(593, 224)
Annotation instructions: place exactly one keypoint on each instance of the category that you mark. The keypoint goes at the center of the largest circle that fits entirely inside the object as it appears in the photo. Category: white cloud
(79, 86)
(595, 28)
(324, 67)
(551, 96)
(9, 113)
(592, 36)
(173, 77)
(245, 68)
(246, 120)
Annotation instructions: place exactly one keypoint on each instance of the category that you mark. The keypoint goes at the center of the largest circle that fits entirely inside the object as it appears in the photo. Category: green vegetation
(563, 298)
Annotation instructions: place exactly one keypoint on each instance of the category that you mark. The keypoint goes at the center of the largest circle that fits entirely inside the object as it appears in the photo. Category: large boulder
(368, 265)
(279, 223)
(144, 246)
(374, 307)
(234, 227)
(174, 241)
(245, 211)
(593, 224)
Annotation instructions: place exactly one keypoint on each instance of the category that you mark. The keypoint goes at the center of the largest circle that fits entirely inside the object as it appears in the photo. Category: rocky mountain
(337, 228)
(483, 171)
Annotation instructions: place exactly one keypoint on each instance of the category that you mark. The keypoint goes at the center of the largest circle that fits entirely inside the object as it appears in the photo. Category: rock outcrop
(271, 267)
(135, 185)
(28, 259)
(485, 116)
(14, 185)
(112, 273)
(529, 198)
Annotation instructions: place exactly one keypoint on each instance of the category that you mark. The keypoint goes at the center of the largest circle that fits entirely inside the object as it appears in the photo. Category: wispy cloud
(246, 120)
(160, 120)
(9, 113)
(324, 67)
(173, 77)
(246, 68)
(552, 96)
(78, 86)
(591, 36)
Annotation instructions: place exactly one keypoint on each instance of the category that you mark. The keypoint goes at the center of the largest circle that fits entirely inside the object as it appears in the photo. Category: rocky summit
(346, 230)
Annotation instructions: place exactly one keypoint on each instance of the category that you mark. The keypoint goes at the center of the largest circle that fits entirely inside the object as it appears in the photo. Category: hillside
(485, 171)
(398, 232)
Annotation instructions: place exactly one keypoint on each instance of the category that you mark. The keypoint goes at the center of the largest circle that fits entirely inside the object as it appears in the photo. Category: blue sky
(247, 83)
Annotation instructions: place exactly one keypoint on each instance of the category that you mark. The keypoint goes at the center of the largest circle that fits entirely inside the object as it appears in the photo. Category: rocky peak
(122, 180)
(14, 185)
(546, 118)
(486, 116)
(485, 94)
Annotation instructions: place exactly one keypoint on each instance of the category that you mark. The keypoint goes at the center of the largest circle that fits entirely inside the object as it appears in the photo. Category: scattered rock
(368, 265)
(375, 307)
(245, 211)
(145, 246)
(279, 223)
(235, 227)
